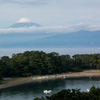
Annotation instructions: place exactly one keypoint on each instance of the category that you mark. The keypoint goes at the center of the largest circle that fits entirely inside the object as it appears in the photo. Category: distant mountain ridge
(74, 39)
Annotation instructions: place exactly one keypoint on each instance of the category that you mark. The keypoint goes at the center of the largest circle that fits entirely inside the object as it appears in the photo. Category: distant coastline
(23, 80)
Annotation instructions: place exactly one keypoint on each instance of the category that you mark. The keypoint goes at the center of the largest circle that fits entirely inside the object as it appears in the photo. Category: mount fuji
(28, 37)
(24, 22)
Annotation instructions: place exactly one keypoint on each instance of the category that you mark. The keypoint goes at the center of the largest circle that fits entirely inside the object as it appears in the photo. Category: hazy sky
(53, 15)
(50, 12)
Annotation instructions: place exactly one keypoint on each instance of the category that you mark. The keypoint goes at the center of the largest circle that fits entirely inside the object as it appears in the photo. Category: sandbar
(9, 82)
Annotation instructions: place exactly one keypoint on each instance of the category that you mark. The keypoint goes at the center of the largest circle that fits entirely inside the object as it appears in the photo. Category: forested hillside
(41, 63)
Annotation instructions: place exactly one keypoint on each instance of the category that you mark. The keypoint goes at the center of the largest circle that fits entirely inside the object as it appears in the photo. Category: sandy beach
(9, 82)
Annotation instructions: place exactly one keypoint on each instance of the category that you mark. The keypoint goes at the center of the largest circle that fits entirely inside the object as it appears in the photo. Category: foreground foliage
(74, 94)
(41, 63)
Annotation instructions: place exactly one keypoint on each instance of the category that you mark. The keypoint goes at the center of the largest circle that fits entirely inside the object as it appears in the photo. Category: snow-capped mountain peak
(24, 20)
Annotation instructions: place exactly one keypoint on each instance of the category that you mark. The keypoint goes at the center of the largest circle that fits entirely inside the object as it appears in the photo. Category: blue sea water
(35, 89)
(61, 51)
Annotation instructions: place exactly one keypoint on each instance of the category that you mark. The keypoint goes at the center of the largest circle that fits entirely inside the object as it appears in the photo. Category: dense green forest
(74, 94)
(41, 63)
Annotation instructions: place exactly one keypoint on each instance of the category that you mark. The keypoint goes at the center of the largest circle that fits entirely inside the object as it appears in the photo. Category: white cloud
(23, 2)
(52, 30)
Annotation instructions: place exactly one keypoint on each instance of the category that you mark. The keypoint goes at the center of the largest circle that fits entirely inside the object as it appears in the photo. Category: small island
(31, 66)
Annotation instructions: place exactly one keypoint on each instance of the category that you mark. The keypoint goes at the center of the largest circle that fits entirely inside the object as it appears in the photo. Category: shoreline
(24, 80)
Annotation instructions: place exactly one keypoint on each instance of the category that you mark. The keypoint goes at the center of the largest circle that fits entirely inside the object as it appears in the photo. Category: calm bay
(35, 89)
